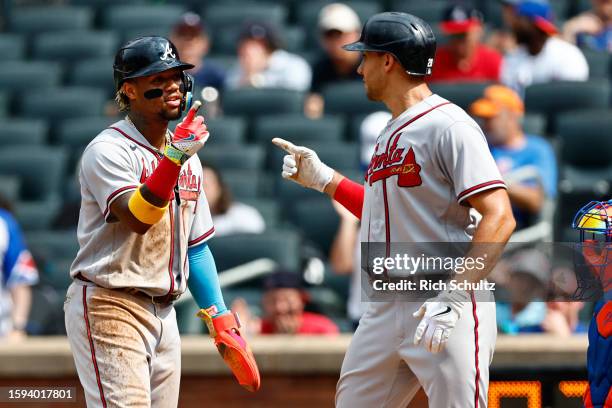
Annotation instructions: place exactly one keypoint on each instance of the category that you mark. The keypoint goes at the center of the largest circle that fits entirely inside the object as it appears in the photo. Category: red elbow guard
(161, 183)
(350, 195)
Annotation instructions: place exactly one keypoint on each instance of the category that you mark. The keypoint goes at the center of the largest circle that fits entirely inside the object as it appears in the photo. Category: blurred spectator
(229, 217)
(527, 273)
(541, 55)
(592, 29)
(502, 38)
(193, 43)
(283, 304)
(465, 58)
(338, 25)
(263, 64)
(369, 130)
(562, 318)
(527, 162)
(18, 273)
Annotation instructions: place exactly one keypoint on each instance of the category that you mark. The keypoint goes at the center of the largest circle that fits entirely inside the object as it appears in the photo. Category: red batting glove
(189, 136)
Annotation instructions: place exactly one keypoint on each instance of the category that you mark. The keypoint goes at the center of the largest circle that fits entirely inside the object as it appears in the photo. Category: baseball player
(431, 179)
(143, 227)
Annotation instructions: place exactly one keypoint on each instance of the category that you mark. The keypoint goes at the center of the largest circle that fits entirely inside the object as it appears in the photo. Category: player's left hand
(236, 353)
(439, 315)
(189, 136)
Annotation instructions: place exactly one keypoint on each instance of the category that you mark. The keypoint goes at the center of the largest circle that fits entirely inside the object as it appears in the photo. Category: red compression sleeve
(161, 183)
(350, 195)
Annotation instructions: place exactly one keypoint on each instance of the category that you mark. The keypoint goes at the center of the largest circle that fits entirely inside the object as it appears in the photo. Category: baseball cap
(540, 13)
(338, 16)
(189, 25)
(458, 19)
(283, 279)
(495, 98)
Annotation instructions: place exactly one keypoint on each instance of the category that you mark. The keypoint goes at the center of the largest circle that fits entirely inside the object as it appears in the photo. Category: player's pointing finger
(285, 145)
(192, 112)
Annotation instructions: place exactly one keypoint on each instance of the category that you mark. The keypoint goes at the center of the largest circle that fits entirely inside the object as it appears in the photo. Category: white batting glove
(303, 166)
(439, 316)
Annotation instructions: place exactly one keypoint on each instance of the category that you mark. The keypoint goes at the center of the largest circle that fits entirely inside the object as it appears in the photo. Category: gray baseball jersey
(427, 162)
(116, 162)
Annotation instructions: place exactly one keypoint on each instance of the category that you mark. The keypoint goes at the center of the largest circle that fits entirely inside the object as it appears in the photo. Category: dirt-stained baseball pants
(126, 349)
(383, 368)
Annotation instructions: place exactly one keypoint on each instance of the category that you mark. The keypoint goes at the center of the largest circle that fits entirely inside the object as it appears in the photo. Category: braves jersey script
(116, 162)
(427, 161)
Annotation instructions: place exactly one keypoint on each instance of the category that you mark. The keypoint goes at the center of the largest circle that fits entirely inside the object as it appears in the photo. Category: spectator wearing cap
(501, 38)
(338, 25)
(501, 111)
(263, 64)
(465, 58)
(593, 28)
(193, 43)
(527, 276)
(541, 56)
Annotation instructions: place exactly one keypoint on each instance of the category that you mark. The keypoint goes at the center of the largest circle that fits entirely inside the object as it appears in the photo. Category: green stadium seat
(268, 208)
(4, 97)
(534, 124)
(74, 46)
(338, 155)
(188, 322)
(23, 132)
(146, 16)
(554, 98)
(37, 215)
(9, 188)
(38, 19)
(599, 62)
(57, 273)
(78, 132)
(96, 72)
(243, 184)
(307, 15)
(245, 157)
(225, 39)
(41, 174)
(280, 246)
(317, 220)
(288, 193)
(46, 314)
(12, 46)
(15, 75)
(131, 34)
(252, 102)
(235, 13)
(53, 244)
(431, 11)
(350, 98)
(298, 129)
(223, 61)
(64, 103)
(226, 131)
(461, 93)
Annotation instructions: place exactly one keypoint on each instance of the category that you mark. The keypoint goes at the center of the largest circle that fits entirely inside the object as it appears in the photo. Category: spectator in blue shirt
(17, 273)
(527, 162)
(593, 28)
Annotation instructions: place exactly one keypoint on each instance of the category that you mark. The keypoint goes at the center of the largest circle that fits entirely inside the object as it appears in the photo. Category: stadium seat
(461, 93)
(318, 221)
(41, 173)
(298, 129)
(78, 132)
(4, 97)
(20, 75)
(245, 157)
(38, 19)
(132, 17)
(243, 184)
(223, 61)
(74, 46)
(96, 72)
(251, 102)
(53, 244)
(307, 15)
(534, 124)
(338, 155)
(131, 34)
(268, 208)
(554, 98)
(23, 132)
(235, 13)
(599, 62)
(225, 39)
(186, 319)
(12, 46)
(288, 193)
(280, 246)
(64, 103)
(348, 98)
(226, 130)
(9, 188)
(430, 11)
(37, 215)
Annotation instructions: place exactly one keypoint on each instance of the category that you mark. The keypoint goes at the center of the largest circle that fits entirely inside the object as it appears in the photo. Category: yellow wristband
(143, 210)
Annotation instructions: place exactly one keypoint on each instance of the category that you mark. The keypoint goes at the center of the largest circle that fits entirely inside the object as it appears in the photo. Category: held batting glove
(189, 137)
(303, 166)
(236, 353)
(439, 315)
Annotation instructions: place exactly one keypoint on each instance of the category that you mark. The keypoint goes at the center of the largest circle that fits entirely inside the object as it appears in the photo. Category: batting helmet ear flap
(186, 90)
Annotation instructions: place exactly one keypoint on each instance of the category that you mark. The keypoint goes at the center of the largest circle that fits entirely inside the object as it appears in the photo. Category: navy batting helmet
(403, 35)
(147, 56)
